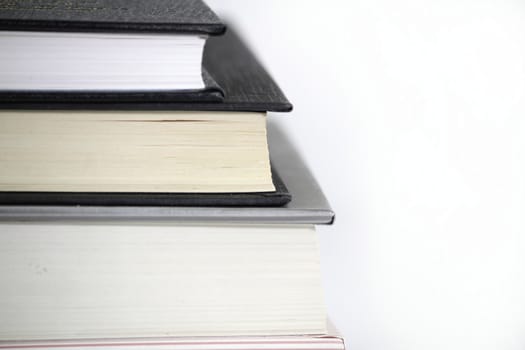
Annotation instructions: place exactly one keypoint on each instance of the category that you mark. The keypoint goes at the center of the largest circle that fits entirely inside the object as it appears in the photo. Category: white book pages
(98, 281)
(100, 61)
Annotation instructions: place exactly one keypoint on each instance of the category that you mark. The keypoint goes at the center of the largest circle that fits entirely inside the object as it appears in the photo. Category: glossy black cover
(124, 16)
(247, 86)
(279, 197)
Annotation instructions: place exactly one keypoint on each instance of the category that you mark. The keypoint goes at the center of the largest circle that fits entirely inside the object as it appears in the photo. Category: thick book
(232, 67)
(127, 280)
(137, 158)
(106, 50)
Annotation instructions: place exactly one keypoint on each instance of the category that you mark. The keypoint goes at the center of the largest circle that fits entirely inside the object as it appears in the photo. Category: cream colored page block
(90, 281)
(134, 152)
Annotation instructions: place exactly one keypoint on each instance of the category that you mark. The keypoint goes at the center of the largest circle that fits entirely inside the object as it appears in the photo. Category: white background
(412, 116)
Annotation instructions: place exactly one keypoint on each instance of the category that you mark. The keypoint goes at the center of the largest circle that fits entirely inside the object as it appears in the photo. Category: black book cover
(245, 84)
(115, 16)
(124, 16)
(279, 197)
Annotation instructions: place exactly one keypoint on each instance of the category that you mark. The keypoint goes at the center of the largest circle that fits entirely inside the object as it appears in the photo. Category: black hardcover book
(126, 16)
(133, 158)
(245, 83)
(101, 51)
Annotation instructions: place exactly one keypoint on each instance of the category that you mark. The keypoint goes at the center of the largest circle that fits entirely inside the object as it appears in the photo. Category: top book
(106, 46)
(123, 16)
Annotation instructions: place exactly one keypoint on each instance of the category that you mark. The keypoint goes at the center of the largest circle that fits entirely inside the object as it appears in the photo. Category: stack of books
(145, 202)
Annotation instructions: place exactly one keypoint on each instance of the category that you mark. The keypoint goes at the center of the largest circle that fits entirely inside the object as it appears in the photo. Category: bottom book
(329, 341)
(96, 280)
